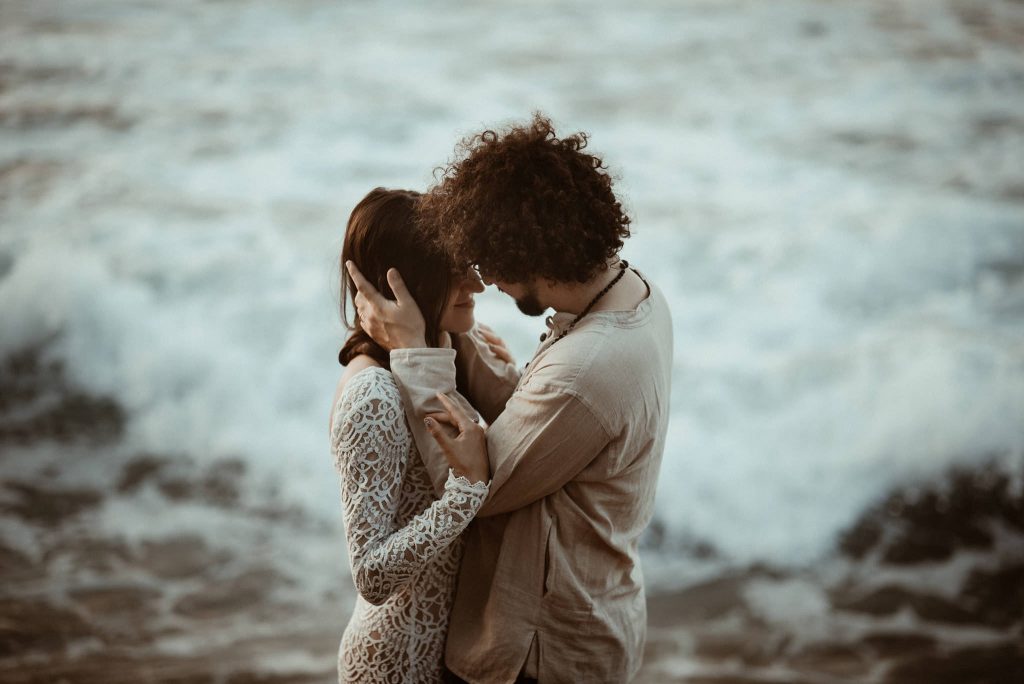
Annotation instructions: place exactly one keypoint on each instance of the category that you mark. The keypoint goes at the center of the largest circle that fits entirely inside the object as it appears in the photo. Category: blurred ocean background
(830, 193)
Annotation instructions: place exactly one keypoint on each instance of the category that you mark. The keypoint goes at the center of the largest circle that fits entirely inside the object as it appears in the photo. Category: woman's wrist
(474, 476)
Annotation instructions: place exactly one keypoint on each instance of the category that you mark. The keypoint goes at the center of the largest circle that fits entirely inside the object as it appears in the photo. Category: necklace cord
(623, 265)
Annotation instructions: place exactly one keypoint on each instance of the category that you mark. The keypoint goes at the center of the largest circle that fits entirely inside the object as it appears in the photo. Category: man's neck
(573, 298)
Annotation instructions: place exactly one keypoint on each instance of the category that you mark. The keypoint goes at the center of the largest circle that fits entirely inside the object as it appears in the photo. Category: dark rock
(930, 525)
(896, 644)
(112, 668)
(704, 601)
(46, 407)
(935, 609)
(178, 557)
(891, 599)
(742, 679)
(137, 471)
(128, 600)
(920, 546)
(103, 556)
(75, 417)
(861, 538)
(48, 506)
(220, 486)
(838, 660)
(15, 566)
(224, 597)
(753, 650)
(177, 488)
(33, 625)
(1003, 664)
(266, 678)
(996, 596)
(43, 116)
(25, 378)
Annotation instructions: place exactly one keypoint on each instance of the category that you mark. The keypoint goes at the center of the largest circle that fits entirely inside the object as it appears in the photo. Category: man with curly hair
(550, 587)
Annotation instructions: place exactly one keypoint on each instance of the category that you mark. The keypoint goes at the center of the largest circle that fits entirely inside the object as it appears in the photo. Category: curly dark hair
(523, 203)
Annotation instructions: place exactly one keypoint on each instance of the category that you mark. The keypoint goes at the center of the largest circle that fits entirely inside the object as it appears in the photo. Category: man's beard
(529, 305)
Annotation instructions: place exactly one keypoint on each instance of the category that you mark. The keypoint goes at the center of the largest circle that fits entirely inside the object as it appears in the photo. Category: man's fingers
(398, 286)
(366, 289)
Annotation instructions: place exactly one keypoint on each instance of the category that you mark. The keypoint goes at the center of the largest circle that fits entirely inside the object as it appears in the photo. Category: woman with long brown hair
(403, 541)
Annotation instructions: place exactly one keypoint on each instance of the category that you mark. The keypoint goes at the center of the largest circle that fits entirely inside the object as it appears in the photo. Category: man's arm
(487, 379)
(426, 372)
(544, 437)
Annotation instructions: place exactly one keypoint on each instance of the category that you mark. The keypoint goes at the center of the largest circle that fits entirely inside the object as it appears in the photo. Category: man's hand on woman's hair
(394, 324)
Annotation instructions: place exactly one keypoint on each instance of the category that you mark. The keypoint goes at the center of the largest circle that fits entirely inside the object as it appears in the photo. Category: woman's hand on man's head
(394, 324)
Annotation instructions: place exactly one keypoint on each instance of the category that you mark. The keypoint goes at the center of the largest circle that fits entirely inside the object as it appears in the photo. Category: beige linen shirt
(550, 576)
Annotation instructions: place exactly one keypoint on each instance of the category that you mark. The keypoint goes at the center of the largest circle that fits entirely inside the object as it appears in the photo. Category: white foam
(845, 277)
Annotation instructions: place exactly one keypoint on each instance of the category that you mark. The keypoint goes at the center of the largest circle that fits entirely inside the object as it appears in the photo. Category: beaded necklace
(623, 265)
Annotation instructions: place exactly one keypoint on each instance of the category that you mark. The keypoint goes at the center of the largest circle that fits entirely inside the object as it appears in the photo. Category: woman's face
(458, 310)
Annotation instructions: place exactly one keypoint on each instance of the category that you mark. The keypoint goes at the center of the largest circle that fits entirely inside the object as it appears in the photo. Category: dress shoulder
(370, 392)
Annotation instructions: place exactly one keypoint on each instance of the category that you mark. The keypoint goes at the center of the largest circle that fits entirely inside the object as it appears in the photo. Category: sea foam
(832, 216)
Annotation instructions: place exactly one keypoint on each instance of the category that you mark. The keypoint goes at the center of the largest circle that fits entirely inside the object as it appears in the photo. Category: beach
(830, 194)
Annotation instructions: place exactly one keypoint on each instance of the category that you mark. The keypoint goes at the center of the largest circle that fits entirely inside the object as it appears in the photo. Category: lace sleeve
(370, 442)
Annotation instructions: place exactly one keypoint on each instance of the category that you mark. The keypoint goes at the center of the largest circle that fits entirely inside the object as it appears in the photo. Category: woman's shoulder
(366, 385)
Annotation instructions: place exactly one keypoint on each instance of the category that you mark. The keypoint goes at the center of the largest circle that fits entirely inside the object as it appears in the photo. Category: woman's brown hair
(383, 233)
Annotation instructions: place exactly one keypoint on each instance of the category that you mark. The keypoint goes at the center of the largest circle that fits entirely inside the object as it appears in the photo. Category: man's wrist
(409, 343)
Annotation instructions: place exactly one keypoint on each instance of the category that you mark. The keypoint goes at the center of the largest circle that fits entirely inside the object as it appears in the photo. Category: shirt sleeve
(544, 437)
(370, 443)
(488, 381)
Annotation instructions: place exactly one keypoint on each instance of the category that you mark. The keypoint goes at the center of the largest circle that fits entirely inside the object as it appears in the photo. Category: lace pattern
(403, 543)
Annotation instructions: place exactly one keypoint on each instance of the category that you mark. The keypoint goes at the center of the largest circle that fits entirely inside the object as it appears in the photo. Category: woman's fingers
(435, 430)
(442, 418)
(462, 421)
(489, 335)
(495, 343)
(501, 352)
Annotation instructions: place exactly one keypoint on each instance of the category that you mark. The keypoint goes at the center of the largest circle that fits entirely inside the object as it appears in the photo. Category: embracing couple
(493, 512)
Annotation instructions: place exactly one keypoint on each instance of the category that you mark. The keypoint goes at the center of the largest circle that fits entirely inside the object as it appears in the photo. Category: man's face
(524, 294)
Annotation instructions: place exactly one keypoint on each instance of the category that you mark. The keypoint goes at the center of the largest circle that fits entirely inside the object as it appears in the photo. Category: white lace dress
(403, 542)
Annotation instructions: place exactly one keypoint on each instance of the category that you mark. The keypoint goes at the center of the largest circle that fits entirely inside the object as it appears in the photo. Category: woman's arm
(370, 442)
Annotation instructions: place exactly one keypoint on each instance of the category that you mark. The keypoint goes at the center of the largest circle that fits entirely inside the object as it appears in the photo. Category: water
(830, 194)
